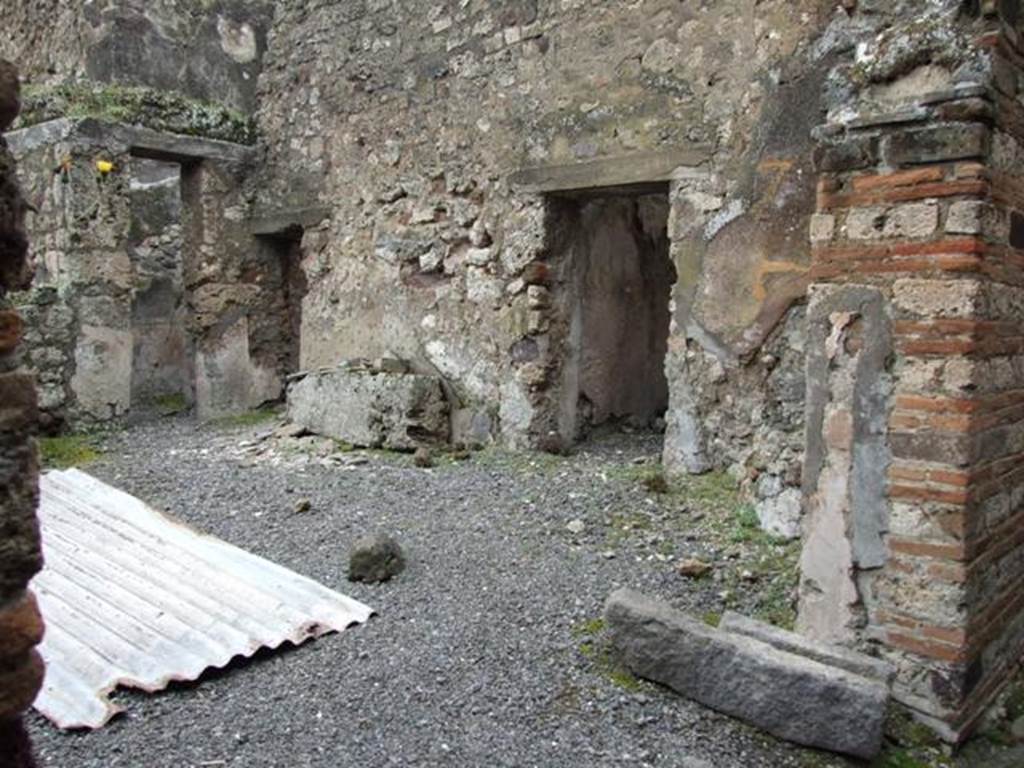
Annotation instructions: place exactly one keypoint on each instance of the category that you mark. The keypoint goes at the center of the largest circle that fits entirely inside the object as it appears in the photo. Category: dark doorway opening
(616, 284)
(283, 257)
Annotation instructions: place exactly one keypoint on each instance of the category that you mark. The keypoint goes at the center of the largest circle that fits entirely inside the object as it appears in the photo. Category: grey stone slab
(158, 145)
(368, 409)
(790, 642)
(144, 142)
(789, 696)
(268, 223)
(25, 140)
(641, 168)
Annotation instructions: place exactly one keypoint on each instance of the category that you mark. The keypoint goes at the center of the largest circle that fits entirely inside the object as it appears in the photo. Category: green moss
(249, 418)
(67, 451)
(624, 679)
(746, 526)
(899, 758)
(589, 628)
(519, 461)
(712, 618)
(656, 482)
(171, 404)
(160, 110)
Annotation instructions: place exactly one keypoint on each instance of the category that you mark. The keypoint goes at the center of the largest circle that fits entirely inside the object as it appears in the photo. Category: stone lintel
(639, 170)
(25, 140)
(279, 223)
(141, 142)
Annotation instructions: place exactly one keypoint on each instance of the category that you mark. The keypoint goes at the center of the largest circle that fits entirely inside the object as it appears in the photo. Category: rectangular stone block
(790, 642)
(371, 409)
(790, 696)
(936, 144)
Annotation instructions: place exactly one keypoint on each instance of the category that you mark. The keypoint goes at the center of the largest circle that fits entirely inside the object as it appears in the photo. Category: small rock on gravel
(693, 568)
(423, 458)
(291, 430)
(375, 559)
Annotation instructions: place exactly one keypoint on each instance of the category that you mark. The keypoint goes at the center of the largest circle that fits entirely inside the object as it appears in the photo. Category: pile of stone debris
(371, 404)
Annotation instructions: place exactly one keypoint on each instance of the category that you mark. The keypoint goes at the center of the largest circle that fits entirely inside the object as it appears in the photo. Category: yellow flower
(104, 166)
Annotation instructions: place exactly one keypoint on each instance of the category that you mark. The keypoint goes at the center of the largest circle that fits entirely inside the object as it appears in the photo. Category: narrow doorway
(617, 278)
(286, 281)
(162, 347)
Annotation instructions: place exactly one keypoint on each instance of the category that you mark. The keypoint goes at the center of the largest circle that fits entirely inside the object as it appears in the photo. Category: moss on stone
(160, 110)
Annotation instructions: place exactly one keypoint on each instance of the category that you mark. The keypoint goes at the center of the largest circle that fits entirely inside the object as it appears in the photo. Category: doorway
(616, 279)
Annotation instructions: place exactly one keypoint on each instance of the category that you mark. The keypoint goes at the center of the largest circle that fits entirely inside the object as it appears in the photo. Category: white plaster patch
(237, 40)
(730, 213)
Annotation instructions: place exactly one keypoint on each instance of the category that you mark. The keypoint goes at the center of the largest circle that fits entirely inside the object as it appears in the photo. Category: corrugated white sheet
(132, 597)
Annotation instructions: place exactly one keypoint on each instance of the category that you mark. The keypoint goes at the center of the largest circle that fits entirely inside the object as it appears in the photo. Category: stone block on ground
(790, 696)
(371, 410)
(791, 642)
(375, 559)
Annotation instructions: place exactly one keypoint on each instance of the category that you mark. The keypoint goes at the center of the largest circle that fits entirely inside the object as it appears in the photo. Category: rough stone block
(400, 412)
(967, 217)
(790, 642)
(19, 684)
(375, 559)
(21, 626)
(936, 144)
(850, 155)
(788, 695)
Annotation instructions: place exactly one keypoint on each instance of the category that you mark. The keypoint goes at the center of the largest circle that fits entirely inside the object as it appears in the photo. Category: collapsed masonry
(791, 231)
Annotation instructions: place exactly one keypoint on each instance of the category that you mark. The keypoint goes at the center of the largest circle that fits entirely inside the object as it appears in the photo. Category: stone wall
(436, 249)
(147, 290)
(449, 239)
(210, 51)
(236, 288)
(912, 475)
(21, 668)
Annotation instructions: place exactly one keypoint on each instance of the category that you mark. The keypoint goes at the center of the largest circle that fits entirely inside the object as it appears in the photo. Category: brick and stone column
(914, 476)
(21, 668)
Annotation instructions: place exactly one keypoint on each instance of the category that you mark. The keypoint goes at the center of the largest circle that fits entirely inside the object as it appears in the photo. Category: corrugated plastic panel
(132, 597)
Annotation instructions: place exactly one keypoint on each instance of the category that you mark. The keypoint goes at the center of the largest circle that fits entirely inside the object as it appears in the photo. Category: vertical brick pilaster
(929, 212)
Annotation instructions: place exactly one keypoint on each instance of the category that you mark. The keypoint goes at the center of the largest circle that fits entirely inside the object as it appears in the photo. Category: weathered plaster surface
(847, 457)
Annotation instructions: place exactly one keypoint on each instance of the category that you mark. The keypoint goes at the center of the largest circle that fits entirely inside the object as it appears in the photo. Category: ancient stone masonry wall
(21, 668)
(210, 51)
(140, 298)
(913, 475)
(406, 123)
(235, 286)
(78, 313)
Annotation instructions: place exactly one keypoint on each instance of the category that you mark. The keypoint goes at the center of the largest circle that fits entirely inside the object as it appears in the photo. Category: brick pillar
(914, 481)
(21, 669)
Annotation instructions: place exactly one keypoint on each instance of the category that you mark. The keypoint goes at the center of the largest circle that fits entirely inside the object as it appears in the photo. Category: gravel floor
(485, 650)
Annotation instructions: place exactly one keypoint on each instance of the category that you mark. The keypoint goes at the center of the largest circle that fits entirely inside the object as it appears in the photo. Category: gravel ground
(486, 650)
